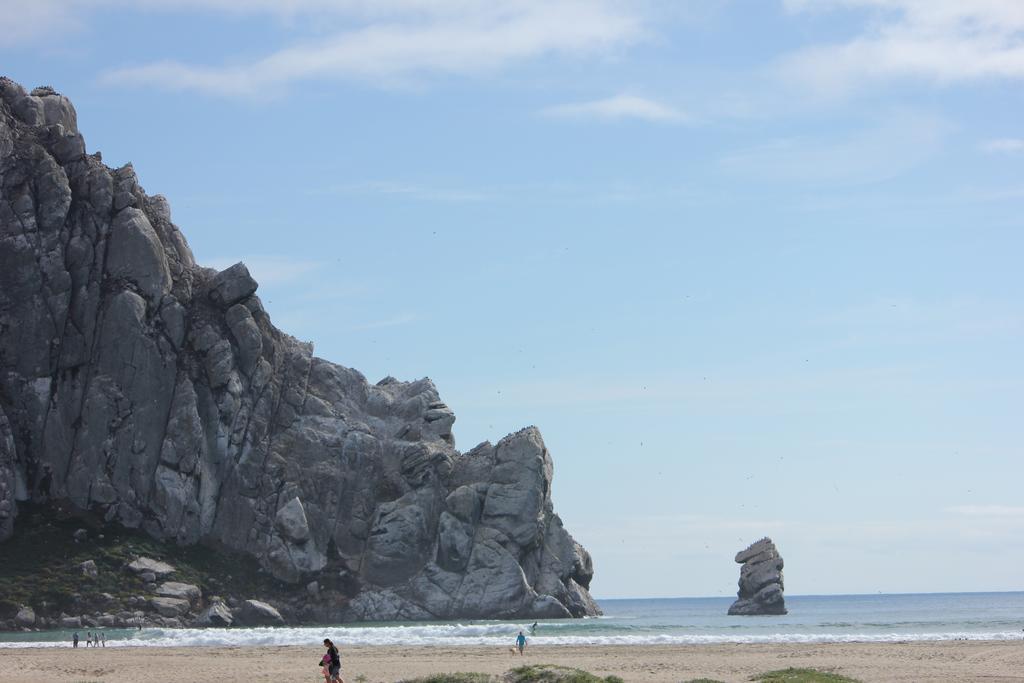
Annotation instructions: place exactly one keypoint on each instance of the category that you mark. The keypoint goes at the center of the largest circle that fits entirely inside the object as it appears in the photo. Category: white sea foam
(489, 635)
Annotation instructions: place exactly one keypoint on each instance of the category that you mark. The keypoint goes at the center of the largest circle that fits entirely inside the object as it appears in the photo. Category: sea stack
(760, 580)
(141, 391)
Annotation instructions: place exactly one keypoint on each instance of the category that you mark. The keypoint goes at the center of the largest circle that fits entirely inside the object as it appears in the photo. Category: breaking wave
(454, 635)
(677, 621)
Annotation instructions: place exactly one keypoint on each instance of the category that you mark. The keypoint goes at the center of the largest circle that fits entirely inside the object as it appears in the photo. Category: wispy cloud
(617, 108)
(988, 510)
(25, 22)
(407, 190)
(268, 270)
(943, 41)
(885, 150)
(900, 320)
(1004, 146)
(406, 41)
(999, 193)
(741, 393)
(393, 321)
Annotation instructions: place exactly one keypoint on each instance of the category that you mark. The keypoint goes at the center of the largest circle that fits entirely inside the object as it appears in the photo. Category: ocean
(811, 619)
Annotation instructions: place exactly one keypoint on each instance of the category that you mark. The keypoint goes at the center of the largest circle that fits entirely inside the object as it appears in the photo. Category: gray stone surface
(181, 591)
(216, 614)
(146, 565)
(8, 481)
(291, 521)
(258, 613)
(170, 607)
(231, 285)
(761, 584)
(142, 387)
(25, 617)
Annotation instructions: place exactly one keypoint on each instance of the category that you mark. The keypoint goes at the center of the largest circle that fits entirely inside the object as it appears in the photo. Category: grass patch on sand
(538, 673)
(801, 676)
(789, 676)
(453, 678)
(549, 673)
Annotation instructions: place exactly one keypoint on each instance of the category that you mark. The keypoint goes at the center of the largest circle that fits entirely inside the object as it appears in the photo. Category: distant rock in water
(760, 580)
(141, 390)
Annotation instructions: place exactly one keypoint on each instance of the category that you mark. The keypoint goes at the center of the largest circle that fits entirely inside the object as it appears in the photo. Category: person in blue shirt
(521, 642)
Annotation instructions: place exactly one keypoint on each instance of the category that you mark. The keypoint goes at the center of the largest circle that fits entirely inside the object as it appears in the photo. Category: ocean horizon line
(818, 595)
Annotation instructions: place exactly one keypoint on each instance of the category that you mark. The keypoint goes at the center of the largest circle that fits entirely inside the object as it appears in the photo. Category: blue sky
(752, 267)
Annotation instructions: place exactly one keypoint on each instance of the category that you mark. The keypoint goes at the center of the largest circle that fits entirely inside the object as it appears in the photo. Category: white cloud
(24, 22)
(27, 21)
(401, 42)
(1004, 146)
(618, 107)
(943, 41)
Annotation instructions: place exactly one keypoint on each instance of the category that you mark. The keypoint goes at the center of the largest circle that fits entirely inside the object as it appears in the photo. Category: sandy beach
(917, 661)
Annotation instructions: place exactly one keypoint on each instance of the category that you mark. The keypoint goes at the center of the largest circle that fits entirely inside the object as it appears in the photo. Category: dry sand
(946, 662)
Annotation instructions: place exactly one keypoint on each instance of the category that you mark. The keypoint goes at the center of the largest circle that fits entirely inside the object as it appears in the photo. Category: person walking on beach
(334, 667)
(74, 640)
(104, 639)
(521, 642)
(88, 639)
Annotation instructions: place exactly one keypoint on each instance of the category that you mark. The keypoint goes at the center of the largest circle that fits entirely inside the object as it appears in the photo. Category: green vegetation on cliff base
(41, 566)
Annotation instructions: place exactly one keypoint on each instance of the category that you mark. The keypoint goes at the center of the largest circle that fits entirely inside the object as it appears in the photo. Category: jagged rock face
(139, 386)
(760, 582)
(10, 492)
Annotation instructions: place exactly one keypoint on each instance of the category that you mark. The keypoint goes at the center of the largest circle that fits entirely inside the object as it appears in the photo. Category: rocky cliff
(760, 580)
(145, 390)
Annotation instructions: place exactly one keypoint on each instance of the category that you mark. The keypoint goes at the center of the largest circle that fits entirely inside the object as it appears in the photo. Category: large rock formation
(140, 387)
(760, 580)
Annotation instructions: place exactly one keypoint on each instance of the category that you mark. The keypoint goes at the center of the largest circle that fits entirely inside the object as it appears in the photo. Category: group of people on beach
(91, 639)
(330, 662)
